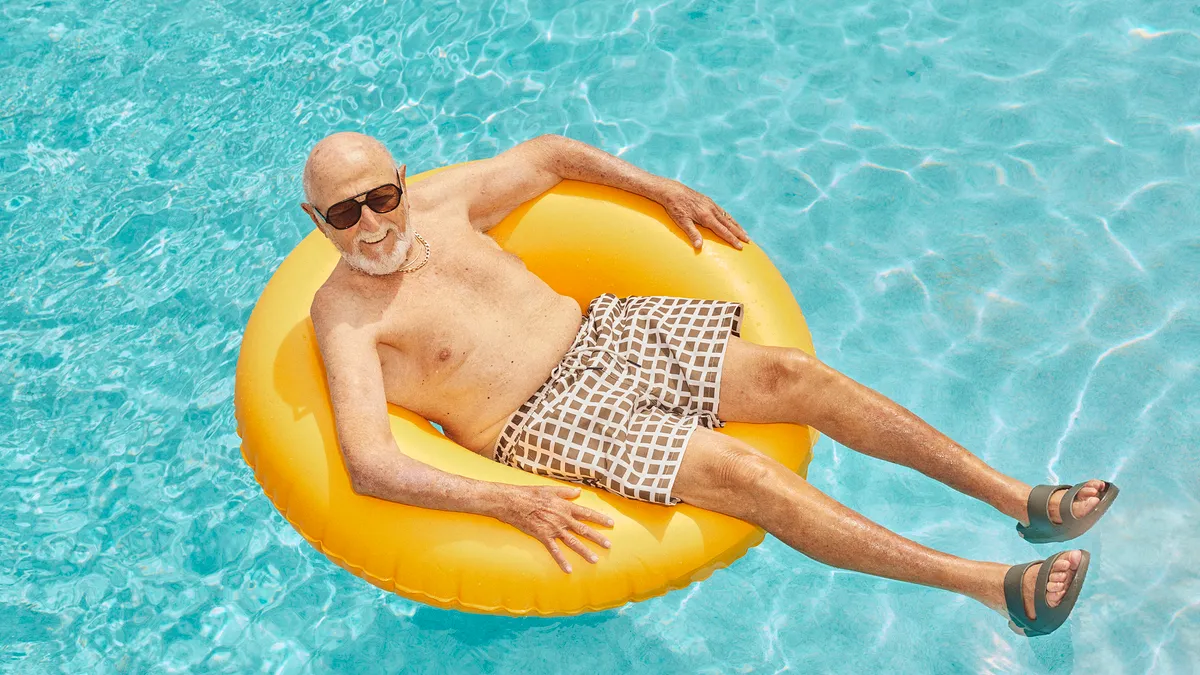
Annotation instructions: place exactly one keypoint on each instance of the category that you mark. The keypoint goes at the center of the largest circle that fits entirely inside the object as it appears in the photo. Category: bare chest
(463, 328)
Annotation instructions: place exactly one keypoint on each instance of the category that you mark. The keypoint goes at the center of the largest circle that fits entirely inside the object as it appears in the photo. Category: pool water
(988, 211)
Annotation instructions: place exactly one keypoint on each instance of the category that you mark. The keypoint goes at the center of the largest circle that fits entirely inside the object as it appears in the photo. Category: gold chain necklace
(422, 263)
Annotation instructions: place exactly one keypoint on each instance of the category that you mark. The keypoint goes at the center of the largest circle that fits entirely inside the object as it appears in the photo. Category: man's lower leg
(864, 420)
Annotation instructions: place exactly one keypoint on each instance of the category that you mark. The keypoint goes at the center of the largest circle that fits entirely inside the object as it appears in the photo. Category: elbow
(551, 145)
(360, 486)
(551, 153)
(362, 475)
(360, 483)
(373, 474)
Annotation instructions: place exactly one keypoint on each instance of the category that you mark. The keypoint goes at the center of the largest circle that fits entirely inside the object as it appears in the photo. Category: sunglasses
(345, 214)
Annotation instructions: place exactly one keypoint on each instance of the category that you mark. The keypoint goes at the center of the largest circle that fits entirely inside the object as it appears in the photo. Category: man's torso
(469, 337)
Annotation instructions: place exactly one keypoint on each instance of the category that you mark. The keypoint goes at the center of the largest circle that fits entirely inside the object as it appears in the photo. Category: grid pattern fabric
(618, 410)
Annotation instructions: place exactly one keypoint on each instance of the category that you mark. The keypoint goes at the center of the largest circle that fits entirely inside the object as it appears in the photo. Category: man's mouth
(381, 237)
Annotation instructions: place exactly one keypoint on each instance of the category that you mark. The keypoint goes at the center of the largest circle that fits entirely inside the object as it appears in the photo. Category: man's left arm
(515, 176)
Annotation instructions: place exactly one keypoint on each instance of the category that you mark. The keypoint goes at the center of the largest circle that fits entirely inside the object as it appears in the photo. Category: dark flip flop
(1048, 618)
(1041, 530)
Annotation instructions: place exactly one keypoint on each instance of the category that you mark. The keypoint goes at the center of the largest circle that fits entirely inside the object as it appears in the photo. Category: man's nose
(369, 221)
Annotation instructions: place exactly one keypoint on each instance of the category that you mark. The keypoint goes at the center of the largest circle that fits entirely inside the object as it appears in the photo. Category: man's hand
(545, 514)
(689, 208)
(493, 188)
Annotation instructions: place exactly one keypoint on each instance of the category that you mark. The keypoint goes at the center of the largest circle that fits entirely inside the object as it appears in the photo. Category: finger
(717, 225)
(693, 234)
(584, 513)
(735, 227)
(590, 534)
(566, 492)
(557, 554)
(575, 545)
(730, 224)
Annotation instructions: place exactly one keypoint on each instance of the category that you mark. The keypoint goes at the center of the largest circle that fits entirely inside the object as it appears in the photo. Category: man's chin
(376, 268)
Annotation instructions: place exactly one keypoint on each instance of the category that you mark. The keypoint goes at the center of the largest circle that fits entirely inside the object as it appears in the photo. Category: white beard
(378, 266)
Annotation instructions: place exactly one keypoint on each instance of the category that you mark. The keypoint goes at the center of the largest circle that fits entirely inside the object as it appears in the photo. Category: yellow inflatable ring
(583, 240)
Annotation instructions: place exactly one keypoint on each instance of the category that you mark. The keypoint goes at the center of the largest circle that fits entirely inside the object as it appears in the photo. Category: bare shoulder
(452, 185)
(337, 307)
(486, 190)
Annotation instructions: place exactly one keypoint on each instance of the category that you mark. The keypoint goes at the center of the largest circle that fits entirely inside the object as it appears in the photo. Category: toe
(1054, 595)
(1087, 498)
(1095, 487)
(1061, 575)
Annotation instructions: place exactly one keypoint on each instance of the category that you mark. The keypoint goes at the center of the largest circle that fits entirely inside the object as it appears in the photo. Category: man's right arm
(378, 468)
(374, 462)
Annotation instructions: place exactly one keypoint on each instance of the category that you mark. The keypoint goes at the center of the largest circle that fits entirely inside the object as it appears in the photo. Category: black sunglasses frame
(399, 188)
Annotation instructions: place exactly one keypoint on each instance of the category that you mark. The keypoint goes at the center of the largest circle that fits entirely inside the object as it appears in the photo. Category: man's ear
(313, 215)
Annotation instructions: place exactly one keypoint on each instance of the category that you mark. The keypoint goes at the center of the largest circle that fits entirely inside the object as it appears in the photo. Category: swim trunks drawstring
(576, 361)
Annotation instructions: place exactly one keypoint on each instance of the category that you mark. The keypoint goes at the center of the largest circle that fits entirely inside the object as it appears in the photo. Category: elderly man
(426, 311)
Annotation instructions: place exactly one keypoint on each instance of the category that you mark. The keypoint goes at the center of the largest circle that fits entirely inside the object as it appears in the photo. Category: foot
(1085, 500)
(1060, 578)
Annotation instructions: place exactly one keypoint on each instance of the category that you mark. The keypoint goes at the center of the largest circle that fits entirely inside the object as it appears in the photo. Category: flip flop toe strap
(1050, 618)
(1080, 525)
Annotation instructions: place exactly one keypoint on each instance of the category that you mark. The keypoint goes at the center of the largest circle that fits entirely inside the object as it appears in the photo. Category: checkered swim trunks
(618, 410)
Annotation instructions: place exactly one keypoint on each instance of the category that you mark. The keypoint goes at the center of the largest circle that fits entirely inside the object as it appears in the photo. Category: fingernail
(610, 521)
(593, 557)
(568, 568)
(607, 543)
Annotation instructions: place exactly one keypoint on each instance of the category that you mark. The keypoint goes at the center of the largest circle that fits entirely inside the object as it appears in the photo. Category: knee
(724, 474)
(738, 469)
(742, 483)
(790, 371)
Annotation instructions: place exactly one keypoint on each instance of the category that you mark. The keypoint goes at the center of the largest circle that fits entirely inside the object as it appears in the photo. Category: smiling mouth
(385, 234)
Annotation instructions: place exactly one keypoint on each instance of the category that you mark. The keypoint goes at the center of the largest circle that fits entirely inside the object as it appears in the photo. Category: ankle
(985, 584)
(993, 593)
(1015, 502)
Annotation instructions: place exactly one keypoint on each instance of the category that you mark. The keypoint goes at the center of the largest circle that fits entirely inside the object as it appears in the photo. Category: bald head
(349, 165)
(341, 160)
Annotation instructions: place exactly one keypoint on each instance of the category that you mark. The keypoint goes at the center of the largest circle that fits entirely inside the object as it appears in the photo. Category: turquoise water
(988, 213)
